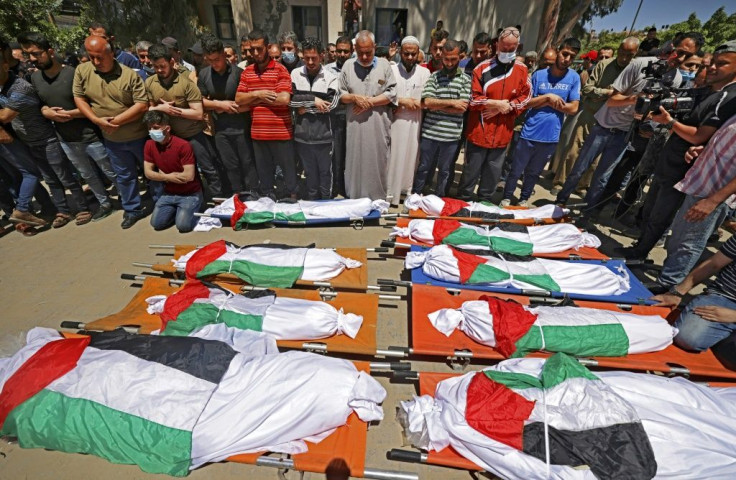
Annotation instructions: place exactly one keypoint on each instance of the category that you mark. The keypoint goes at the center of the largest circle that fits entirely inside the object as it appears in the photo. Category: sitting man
(170, 160)
(711, 316)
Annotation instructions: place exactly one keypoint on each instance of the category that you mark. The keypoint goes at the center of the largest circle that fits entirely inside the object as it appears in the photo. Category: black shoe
(130, 219)
(629, 253)
(104, 211)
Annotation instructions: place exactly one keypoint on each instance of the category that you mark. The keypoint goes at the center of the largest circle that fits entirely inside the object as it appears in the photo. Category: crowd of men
(292, 118)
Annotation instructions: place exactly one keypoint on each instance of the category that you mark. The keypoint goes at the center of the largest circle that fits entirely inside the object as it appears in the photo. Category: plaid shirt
(715, 167)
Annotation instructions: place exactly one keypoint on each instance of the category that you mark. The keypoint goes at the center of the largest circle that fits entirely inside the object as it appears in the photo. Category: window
(224, 24)
(307, 21)
(390, 25)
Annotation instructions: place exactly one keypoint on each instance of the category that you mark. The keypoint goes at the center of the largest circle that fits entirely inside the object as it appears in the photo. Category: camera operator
(696, 128)
(608, 137)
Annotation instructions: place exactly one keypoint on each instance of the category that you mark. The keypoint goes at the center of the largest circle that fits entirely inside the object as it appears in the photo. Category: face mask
(157, 135)
(288, 57)
(506, 57)
(687, 75)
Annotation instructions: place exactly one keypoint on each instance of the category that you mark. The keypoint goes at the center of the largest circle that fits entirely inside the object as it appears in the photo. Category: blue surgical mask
(687, 75)
(157, 135)
(288, 57)
(506, 57)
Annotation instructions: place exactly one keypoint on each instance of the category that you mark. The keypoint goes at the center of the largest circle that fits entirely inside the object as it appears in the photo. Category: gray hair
(531, 54)
(364, 35)
(143, 46)
(288, 37)
(630, 40)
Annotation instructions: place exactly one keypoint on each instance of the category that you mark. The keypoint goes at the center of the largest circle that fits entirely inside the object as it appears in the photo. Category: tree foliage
(19, 16)
(567, 17)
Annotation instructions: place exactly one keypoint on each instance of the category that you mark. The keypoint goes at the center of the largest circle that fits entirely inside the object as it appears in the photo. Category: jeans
(207, 162)
(482, 164)
(16, 154)
(610, 144)
(176, 210)
(697, 334)
(316, 159)
(658, 212)
(79, 154)
(270, 153)
(529, 159)
(629, 163)
(688, 241)
(236, 154)
(339, 126)
(58, 175)
(125, 158)
(434, 154)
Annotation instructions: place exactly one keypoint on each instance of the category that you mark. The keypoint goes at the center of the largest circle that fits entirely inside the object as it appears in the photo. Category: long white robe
(405, 131)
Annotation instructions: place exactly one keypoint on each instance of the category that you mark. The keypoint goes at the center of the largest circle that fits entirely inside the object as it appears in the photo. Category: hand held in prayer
(716, 314)
(301, 110)
(59, 115)
(268, 96)
(321, 105)
(105, 124)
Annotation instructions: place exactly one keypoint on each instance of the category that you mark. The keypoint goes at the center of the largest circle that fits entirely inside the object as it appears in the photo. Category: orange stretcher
(412, 214)
(135, 318)
(349, 279)
(426, 340)
(582, 253)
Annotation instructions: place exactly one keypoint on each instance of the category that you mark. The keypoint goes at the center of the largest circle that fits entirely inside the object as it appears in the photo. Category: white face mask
(506, 57)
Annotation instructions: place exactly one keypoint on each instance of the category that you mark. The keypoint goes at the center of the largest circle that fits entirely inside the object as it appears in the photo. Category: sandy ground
(74, 274)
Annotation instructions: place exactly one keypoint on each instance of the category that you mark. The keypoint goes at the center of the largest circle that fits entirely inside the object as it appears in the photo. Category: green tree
(720, 28)
(19, 16)
(563, 17)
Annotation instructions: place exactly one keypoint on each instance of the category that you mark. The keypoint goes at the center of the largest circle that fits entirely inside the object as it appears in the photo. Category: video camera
(660, 93)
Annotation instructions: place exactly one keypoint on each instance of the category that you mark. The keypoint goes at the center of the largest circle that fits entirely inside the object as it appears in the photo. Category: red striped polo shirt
(269, 123)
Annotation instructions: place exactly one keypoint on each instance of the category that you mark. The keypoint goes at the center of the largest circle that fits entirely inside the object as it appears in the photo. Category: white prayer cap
(409, 39)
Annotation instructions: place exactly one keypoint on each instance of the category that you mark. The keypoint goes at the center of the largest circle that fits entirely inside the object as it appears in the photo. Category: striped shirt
(441, 126)
(725, 283)
(715, 167)
(269, 122)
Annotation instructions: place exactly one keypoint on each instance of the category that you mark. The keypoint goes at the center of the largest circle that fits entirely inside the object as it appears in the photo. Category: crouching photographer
(696, 128)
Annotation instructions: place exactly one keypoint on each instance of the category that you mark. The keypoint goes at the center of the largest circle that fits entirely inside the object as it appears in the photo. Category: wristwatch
(670, 124)
(673, 291)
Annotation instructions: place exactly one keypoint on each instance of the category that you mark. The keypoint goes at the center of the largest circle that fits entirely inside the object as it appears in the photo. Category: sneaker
(505, 203)
(27, 217)
(501, 185)
(104, 211)
(130, 219)
(524, 203)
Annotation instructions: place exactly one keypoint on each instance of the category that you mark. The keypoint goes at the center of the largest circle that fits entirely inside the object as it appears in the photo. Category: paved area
(74, 274)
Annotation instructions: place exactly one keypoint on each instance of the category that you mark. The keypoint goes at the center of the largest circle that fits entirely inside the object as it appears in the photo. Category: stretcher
(638, 294)
(134, 318)
(458, 347)
(349, 279)
(582, 253)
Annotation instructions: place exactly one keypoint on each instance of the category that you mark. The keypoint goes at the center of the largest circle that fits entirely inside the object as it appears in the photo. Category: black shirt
(648, 45)
(57, 92)
(725, 284)
(713, 111)
(215, 86)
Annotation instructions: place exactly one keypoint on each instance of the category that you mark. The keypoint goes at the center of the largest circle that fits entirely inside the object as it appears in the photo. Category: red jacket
(497, 81)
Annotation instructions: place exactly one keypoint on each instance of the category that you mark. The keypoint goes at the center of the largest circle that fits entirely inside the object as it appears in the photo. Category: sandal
(83, 217)
(25, 229)
(61, 219)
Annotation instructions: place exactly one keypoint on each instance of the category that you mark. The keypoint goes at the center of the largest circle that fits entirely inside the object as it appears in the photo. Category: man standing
(141, 49)
(122, 57)
(219, 83)
(368, 87)
(113, 97)
(315, 95)
(480, 53)
(439, 37)
(170, 160)
(230, 55)
(500, 91)
(446, 96)
(246, 52)
(410, 80)
(649, 43)
(265, 86)
(343, 51)
(289, 45)
(174, 94)
(173, 45)
(596, 91)
(79, 137)
(330, 53)
(556, 92)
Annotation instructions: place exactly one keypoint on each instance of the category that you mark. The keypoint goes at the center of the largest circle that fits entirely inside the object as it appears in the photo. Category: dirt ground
(74, 274)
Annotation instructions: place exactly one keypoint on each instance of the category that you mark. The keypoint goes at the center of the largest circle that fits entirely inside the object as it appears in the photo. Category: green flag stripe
(200, 314)
(468, 236)
(558, 368)
(507, 245)
(255, 273)
(605, 340)
(542, 281)
(55, 421)
(465, 236)
(485, 273)
(265, 217)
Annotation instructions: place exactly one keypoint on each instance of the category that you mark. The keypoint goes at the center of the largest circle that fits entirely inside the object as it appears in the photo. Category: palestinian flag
(503, 237)
(196, 305)
(515, 330)
(537, 419)
(127, 399)
(267, 265)
(447, 264)
(450, 207)
(266, 210)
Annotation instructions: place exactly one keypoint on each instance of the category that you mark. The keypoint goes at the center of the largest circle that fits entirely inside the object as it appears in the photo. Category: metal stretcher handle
(406, 456)
(381, 249)
(576, 206)
(73, 325)
(405, 375)
(131, 277)
(388, 244)
(396, 283)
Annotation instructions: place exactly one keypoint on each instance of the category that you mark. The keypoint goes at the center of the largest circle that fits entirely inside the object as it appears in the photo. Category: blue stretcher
(373, 215)
(637, 295)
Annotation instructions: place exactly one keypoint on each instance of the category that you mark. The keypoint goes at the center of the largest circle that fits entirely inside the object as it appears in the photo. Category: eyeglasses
(509, 31)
